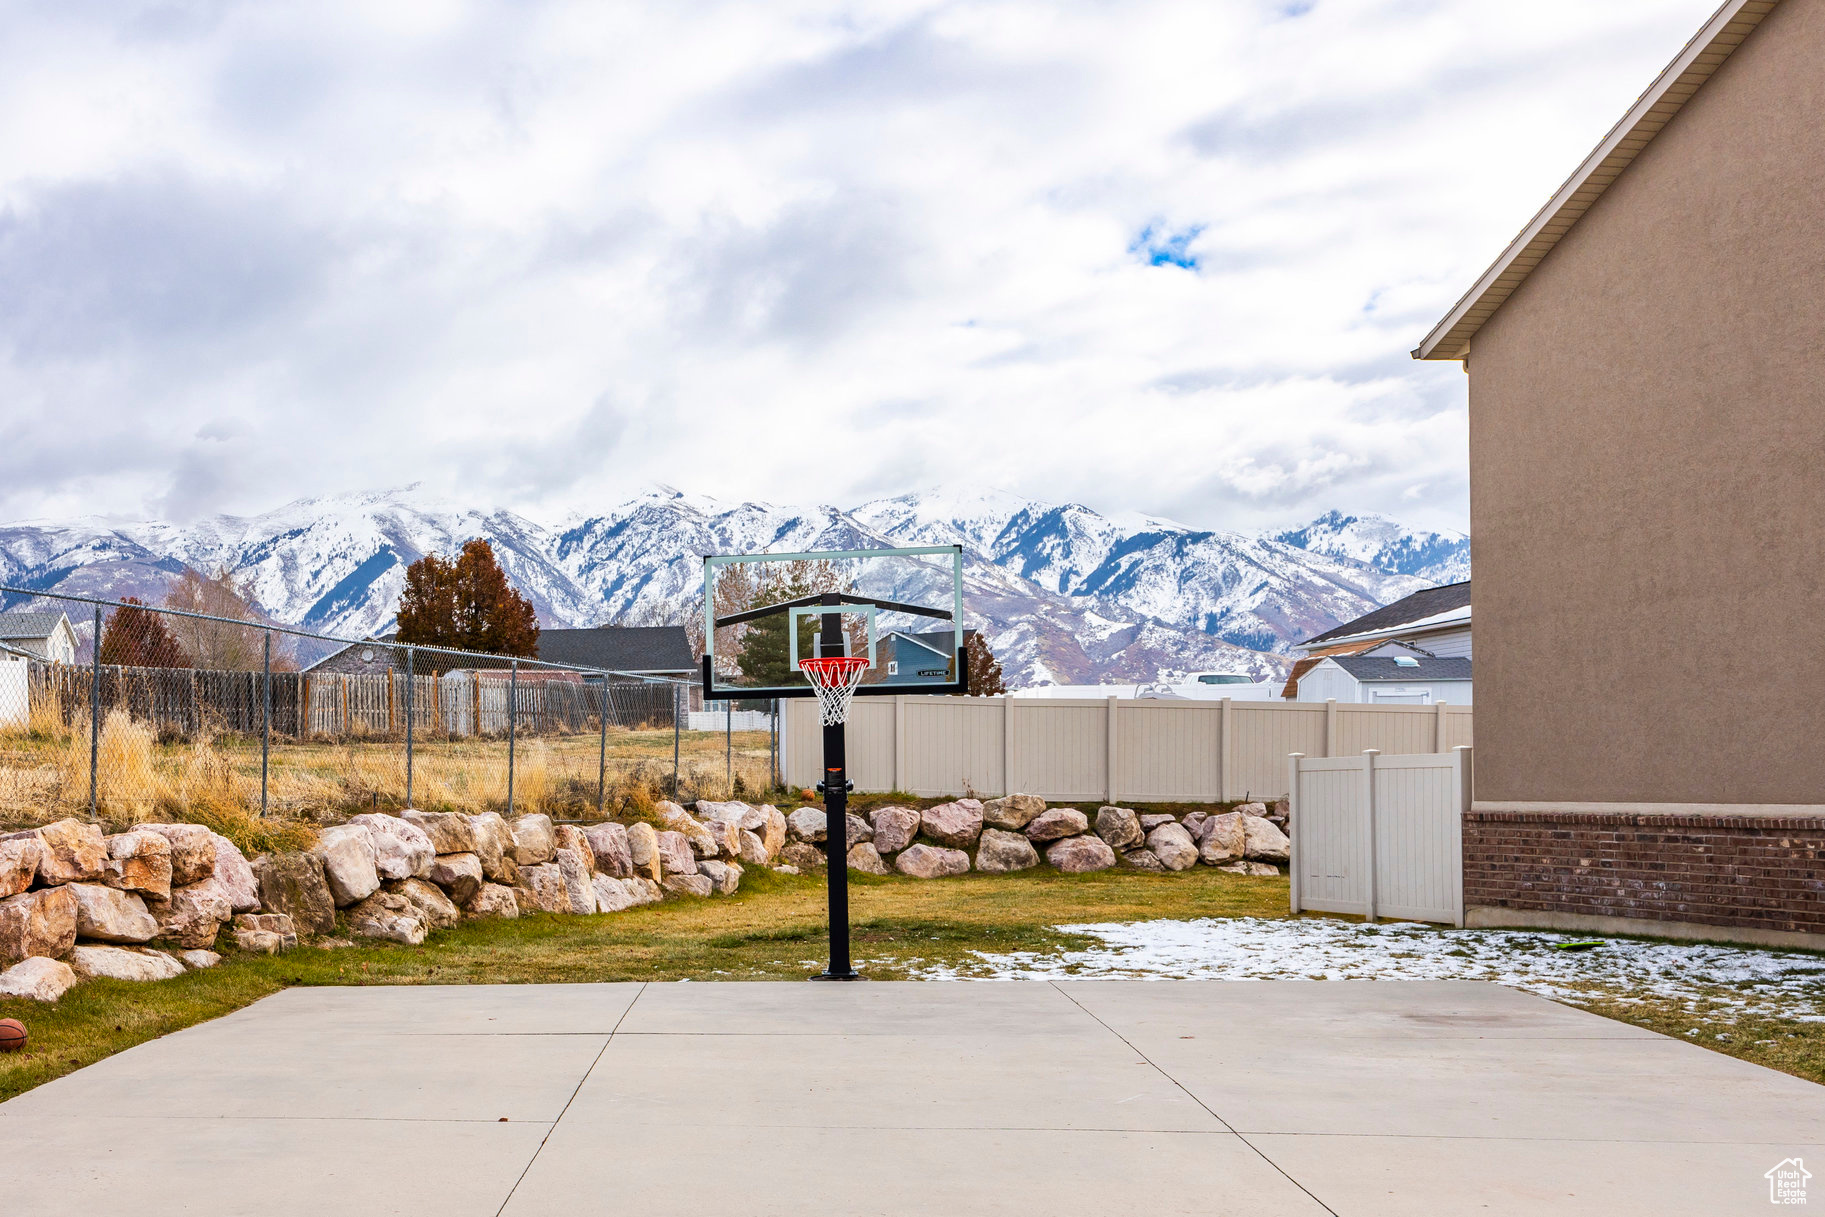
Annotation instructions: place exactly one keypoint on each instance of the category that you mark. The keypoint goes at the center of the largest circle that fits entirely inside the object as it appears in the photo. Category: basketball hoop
(835, 678)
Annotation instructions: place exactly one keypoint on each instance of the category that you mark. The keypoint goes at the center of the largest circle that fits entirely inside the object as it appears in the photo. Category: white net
(835, 678)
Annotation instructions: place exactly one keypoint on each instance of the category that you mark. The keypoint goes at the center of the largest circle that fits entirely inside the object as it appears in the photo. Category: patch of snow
(1782, 984)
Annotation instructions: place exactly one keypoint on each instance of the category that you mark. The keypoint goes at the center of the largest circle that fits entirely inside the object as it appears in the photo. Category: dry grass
(215, 780)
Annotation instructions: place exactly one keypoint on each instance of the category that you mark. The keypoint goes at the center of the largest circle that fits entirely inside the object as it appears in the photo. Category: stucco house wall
(1647, 418)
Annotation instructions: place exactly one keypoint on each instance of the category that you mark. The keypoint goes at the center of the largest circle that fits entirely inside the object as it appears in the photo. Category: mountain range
(1063, 593)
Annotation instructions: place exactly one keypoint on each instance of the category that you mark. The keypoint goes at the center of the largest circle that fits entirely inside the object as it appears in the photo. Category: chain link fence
(125, 712)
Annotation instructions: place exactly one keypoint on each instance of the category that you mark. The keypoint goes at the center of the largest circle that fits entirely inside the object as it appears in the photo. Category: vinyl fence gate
(1378, 835)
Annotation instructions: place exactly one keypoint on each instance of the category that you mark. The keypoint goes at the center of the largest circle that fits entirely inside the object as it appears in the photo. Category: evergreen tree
(467, 605)
(136, 637)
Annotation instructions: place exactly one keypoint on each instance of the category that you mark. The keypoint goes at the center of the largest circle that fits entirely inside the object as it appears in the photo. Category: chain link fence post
(728, 746)
(265, 718)
(513, 705)
(411, 705)
(602, 750)
(95, 716)
(676, 689)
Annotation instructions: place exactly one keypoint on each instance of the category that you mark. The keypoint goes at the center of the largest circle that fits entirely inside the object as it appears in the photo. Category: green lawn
(772, 930)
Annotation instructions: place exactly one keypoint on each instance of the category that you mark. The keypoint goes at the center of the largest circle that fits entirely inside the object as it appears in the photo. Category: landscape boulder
(808, 824)
(494, 900)
(924, 861)
(192, 851)
(387, 915)
(259, 942)
(1120, 827)
(1262, 842)
(1057, 823)
(802, 855)
(197, 959)
(234, 876)
(570, 837)
(612, 894)
(574, 869)
(19, 856)
(752, 850)
(194, 914)
(957, 823)
(608, 845)
(1153, 820)
(293, 883)
(450, 832)
(726, 835)
(37, 979)
(124, 963)
(1076, 855)
(74, 852)
(265, 933)
(773, 832)
(106, 914)
(402, 850)
(895, 828)
(493, 844)
(864, 857)
(1194, 822)
(434, 908)
(742, 815)
(1014, 812)
(534, 842)
(349, 863)
(1173, 845)
(725, 877)
(541, 889)
(673, 818)
(643, 850)
(859, 829)
(138, 862)
(1260, 869)
(458, 874)
(676, 856)
(41, 922)
(1143, 859)
(1222, 839)
(1252, 809)
(689, 885)
(1000, 851)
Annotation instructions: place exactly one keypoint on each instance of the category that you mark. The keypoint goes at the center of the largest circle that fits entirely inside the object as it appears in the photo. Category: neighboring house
(372, 656)
(1429, 624)
(902, 656)
(1411, 680)
(1644, 365)
(47, 636)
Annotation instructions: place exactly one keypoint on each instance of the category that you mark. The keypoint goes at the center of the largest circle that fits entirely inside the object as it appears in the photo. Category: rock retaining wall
(161, 899)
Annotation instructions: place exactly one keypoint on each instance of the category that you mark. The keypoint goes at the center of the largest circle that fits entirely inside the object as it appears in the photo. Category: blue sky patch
(1162, 246)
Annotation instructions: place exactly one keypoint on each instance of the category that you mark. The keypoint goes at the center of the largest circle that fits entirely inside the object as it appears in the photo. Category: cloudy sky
(1166, 257)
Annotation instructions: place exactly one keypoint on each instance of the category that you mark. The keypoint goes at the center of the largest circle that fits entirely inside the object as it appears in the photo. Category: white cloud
(539, 254)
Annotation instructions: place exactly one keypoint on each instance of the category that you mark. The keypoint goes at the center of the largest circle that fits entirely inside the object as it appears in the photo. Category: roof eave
(1690, 69)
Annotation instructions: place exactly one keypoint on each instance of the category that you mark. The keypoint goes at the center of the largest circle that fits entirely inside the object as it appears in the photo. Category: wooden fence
(182, 701)
(1142, 751)
(1381, 836)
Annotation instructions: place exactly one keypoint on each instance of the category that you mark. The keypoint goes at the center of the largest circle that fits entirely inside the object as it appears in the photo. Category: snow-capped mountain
(1063, 593)
(1436, 557)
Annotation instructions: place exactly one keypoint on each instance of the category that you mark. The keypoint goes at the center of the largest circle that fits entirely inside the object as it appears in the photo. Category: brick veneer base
(1754, 877)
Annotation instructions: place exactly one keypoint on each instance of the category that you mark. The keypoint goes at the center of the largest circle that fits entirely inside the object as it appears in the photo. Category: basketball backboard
(763, 613)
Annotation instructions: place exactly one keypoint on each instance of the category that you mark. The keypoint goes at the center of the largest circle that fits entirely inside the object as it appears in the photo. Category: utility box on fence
(1382, 836)
(15, 692)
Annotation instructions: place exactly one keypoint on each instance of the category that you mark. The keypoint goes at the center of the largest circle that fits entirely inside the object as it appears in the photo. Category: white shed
(1413, 680)
(48, 636)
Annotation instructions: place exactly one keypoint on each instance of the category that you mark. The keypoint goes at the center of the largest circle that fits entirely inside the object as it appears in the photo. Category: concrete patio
(1094, 1097)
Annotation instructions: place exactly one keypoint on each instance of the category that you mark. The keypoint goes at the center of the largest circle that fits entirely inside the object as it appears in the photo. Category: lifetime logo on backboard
(1787, 1182)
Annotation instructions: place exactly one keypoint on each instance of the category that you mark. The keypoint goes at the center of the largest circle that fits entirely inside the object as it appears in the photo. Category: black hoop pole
(836, 815)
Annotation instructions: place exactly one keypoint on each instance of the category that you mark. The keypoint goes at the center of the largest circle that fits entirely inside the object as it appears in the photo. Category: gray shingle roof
(1429, 602)
(28, 625)
(620, 648)
(1376, 668)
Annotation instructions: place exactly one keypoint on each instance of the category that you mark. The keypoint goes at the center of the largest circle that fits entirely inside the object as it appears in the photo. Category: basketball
(12, 1035)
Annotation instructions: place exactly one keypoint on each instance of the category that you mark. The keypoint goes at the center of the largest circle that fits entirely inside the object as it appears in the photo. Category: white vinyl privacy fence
(1104, 748)
(1380, 835)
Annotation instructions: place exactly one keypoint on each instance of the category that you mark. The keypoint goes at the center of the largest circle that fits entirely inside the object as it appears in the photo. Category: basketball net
(835, 678)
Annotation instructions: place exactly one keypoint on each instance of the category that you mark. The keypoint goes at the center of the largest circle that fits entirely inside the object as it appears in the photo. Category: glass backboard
(901, 608)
